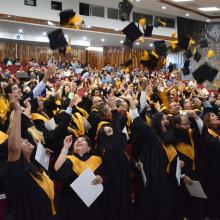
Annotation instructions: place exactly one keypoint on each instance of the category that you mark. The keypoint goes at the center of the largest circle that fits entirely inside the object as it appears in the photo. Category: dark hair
(8, 89)
(102, 109)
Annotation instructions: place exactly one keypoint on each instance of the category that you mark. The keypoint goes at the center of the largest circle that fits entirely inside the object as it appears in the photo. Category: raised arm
(14, 139)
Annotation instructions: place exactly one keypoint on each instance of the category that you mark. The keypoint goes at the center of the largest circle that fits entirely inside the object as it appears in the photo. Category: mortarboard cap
(205, 72)
(160, 47)
(186, 71)
(125, 8)
(203, 43)
(128, 43)
(148, 30)
(57, 40)
(184, 42)
(66, 16)
(158, 22)
(128, 63)
(209, 110)
(186, 63)
(188, 54)
(170, 67)
(152, 61)
(197, 56)
(132, 32)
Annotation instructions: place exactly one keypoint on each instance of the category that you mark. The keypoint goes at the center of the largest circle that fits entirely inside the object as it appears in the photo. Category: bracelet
(64, 151)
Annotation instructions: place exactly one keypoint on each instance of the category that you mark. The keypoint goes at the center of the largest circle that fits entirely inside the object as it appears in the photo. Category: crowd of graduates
(131, 128)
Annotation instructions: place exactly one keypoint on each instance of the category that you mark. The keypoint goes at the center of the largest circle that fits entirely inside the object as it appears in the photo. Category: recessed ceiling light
(88, 26)
(121, 41)
(209, 9)
(103, 40)
(44, 33)
(164, 7)
(151, 45)
(84, 38)
(207, 20)
(182, 0)
(50, 23)
(138, 0)
(66, 36)
(9, 16)
(187, 14)
(20, 30)
(137, 43)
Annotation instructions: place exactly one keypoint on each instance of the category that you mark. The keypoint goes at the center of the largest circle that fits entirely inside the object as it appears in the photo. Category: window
(84, 9)
(56, 5)
(137, 16)
(170, 23)
(97, 11)
(113, 13)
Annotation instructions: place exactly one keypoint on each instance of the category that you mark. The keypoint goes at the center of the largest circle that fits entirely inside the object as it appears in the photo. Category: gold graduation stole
(188, 150)
(101, 123)
(4, 109)
(128, 123)
(148, 120)
(213, 133)
(46, 184)
(171, 154)
(78, 120)
(80, 166)
(3, 137)
(36, 116)
(82, 111)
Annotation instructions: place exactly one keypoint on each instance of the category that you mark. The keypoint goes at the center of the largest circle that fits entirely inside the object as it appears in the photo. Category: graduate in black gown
(211, 175)
(29, 191)
(67, 169)
(160, 197)
(111, 142)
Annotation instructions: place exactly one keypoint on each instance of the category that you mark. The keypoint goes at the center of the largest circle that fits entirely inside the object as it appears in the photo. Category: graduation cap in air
(170, 67)
(128, 63)
(132, 33)
(183, 42)
(185, 69)
(204, 43)
(158, 22)
(57, 40)
(160, 47)
(148, 30)
(188, 54)
(197, 56)
(125, 8)
(151, 61)
(66, 16)
(128, 43)
(205, 72)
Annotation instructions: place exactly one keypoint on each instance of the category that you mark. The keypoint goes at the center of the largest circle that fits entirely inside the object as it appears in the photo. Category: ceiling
(36, 33)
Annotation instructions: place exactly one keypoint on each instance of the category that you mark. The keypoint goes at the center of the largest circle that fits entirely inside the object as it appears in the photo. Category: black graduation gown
(117, 169)
(72, 207)
(190, 207)
(159, 200)
(211, 174)
(26, 199)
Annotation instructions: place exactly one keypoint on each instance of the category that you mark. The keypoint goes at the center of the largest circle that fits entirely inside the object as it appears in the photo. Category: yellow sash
(83, 112)
(171, 154)
(213, 133)
(128, 123)
(37, 116)
(3, 137)
(101, 123)
(148, 120)
(188, 150)
(79, 166)
(80, 129)
(46, 184)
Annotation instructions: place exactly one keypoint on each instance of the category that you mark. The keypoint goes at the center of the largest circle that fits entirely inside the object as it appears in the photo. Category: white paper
(125, 131)
(42, 157)
(84, 188)
(178, 171)
(196, 190)
(50, 125)
(2, 196)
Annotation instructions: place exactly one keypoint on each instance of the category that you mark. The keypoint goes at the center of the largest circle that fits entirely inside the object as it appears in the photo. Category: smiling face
(214, 120)
(16, 91)
(81, 146)
(164, 123)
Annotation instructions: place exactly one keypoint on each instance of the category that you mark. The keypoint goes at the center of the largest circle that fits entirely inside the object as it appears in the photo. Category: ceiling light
(66, 36)
(9, 16)
(99, 49)
(44, 33)
(138, 0)
(151, 45)
(50, 23)
(187, 14)
(164, 7)
(20, 30)
(84, 38)
(121, 41)
(182, 0)
(207, 20)
(88, 26)
(102, 40)
(137, 43)
(209, 9)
